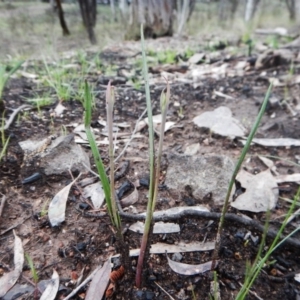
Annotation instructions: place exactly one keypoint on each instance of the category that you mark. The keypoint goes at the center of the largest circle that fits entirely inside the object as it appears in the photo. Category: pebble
(177, 257)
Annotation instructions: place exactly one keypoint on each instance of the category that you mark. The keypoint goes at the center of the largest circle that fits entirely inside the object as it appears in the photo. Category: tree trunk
(291, 8)
(156, 15)
(124, 8)
(112, 8)
(61, 17)
(250, 10)
(88, 9)
(227, 9)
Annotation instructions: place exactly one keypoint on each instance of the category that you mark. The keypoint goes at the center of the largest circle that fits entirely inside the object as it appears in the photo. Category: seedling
(189, 53)
(108, 188)
(40, 102)
(273, 41)
(255, 269)
(34, 274)
(44, 210)
(236, 170)
(167, 57)
(154, 168)
(56, 80)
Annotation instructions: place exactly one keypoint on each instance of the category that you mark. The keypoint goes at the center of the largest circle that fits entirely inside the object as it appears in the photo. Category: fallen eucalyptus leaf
(288, 178)
(159, 248)
(192, 149)
(261, 192)
(220, 121)
(17, 291)
(96, 193)
(99, 283)
(157, 122)
(8, 280)
(220, 94)
(280, 142)
(131, 198)
(57, 207)
(28, 75)
(186, 269)
(269, 163)
(196, 58)
(52, 288)
(297, 277)
(159, 227)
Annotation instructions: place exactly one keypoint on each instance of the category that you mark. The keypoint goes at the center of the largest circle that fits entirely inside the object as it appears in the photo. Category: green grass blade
(3, 151)
(236, 170)
(34, 274)
(256, 268)
(5, 76)
(95, 151)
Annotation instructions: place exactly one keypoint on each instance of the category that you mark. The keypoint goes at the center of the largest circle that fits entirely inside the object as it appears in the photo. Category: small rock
(255, 239)
(204, 174)
(139, 294)
(152, 277)
(149, 295)
(192, 149)
(55, 156)
(181, 295)
(231, 285)
(189, 201)
(177, 257)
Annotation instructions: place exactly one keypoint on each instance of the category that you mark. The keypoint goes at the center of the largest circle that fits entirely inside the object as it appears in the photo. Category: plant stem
(154, 171)
(110, 99)
(140, 263)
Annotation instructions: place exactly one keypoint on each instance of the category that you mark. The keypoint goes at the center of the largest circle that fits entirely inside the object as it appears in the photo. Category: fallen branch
(213, 216)
(201, 214)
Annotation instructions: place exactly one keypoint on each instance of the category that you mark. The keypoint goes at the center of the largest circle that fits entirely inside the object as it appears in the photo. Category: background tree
(251, 7)
(157, 16)
(88, 9)
(291, 8)
(61, 17)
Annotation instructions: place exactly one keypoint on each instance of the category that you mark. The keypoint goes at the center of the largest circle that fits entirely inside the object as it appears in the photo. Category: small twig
(253, 293)
(14, 226)
(89, 278)
(132, 136)
(291, 218)
(271, 233)
(2, 204)
(164, 291)
(90, 170)
(32, 283)
(13, 115)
